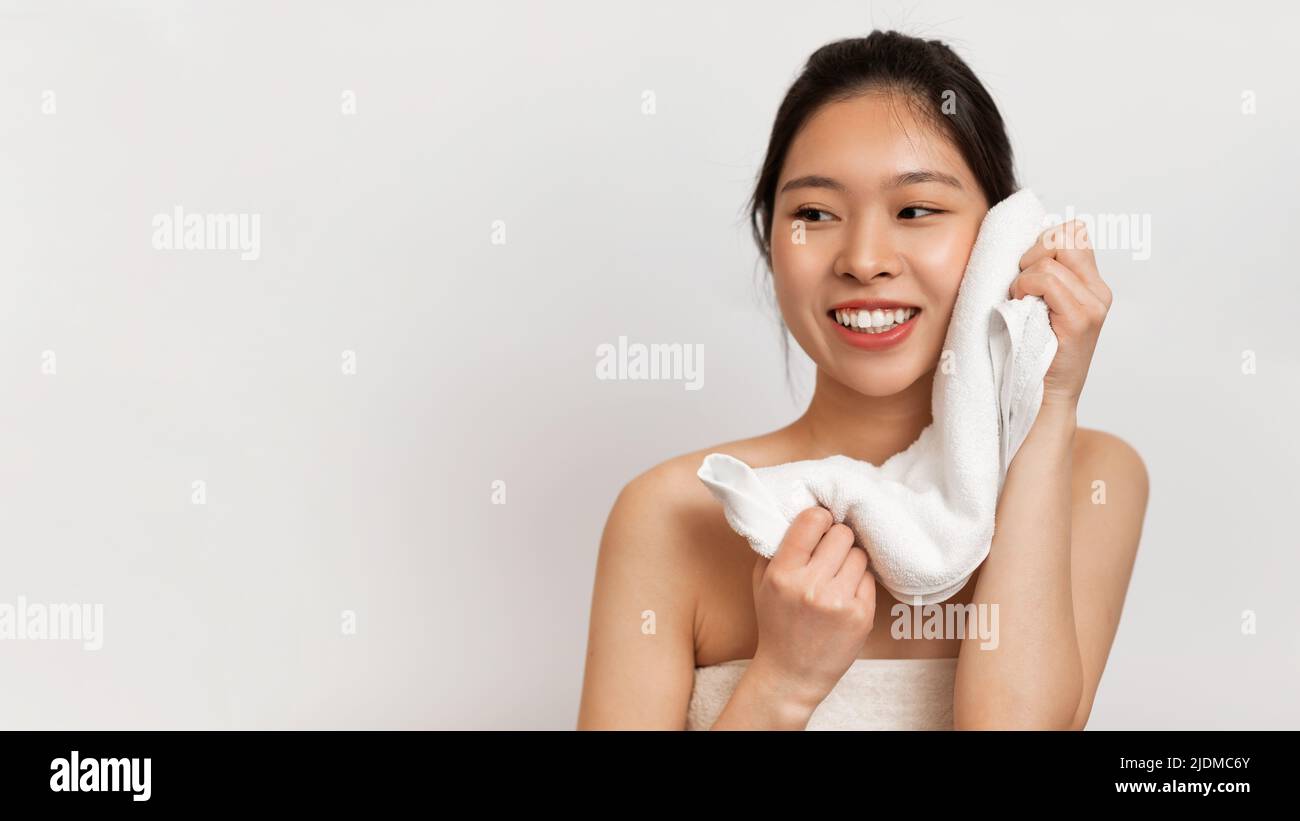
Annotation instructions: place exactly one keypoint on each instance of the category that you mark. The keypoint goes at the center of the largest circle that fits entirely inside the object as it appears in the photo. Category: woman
(884, 158)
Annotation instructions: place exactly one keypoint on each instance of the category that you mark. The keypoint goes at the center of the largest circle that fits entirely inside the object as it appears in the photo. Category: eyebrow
(916, 177)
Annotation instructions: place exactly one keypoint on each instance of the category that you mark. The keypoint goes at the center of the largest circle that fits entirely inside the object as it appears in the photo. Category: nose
(869, 251)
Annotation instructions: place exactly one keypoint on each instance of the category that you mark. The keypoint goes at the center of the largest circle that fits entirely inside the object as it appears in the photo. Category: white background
(476, 362)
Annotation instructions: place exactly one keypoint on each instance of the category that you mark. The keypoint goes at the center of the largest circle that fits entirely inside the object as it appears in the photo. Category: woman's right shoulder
(672, 489)
(665, 513)
(667, 557)
(667, 548)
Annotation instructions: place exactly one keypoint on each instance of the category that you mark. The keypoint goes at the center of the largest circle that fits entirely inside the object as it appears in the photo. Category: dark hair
(925, 74)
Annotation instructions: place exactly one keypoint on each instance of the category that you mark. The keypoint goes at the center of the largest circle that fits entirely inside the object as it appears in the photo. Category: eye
(918, 208)
(803, 213)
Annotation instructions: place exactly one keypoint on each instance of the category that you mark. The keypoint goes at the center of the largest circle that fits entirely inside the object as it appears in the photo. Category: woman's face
(847, 229)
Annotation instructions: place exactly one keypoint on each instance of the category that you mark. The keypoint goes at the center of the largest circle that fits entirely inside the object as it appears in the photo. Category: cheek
(951, 248)
(796, 272)
(942, 259)
(938, 257)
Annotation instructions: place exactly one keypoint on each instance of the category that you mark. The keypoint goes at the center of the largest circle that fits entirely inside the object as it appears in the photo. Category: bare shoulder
(668, 532)
(1101, 457)
(1110, 491)
(662, 548)
(670, 508)
(666, 474)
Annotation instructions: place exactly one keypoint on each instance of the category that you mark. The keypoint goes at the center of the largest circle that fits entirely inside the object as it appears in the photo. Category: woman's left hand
(1061, 269)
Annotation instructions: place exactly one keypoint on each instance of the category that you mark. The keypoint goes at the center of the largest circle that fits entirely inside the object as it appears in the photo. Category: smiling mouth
(875, 321)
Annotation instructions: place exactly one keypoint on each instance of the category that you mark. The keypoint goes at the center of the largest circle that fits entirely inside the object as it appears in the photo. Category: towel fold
(925, 516)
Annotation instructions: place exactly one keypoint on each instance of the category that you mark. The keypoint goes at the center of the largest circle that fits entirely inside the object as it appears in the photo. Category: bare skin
(1059, 564)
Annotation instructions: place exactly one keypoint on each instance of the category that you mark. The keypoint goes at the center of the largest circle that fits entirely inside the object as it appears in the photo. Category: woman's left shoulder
(1105, 465)
(1098, 447)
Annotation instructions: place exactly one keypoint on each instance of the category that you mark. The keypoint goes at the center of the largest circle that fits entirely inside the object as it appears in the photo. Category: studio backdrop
(303, 310)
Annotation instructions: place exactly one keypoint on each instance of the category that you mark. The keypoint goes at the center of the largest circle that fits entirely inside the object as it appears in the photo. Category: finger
(801, 538)
(1069, 244)
(1092, 310)
(1094, 306)
(866, 587)
(829, 554)
(1060, 301)
(1066, 241)
(1087, 288)
(1072, 281)
(850, 574)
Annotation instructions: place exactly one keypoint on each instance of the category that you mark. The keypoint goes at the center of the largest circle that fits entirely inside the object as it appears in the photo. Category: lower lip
(876, 342)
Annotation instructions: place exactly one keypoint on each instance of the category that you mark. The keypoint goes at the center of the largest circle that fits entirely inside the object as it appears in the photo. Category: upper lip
(871, 305)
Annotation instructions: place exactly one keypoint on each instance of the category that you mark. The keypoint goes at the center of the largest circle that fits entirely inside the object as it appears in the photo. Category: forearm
(761, 702)
(1032, 677)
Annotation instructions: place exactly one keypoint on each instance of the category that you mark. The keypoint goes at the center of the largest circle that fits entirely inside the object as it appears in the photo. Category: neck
(839, 420)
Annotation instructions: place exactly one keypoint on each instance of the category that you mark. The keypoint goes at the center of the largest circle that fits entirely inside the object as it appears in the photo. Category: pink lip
(876, 342)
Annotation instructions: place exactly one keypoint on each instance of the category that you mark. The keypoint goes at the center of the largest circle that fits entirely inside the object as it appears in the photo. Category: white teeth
(875, 321)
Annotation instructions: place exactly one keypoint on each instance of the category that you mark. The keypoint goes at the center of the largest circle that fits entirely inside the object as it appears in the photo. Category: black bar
(329, 769)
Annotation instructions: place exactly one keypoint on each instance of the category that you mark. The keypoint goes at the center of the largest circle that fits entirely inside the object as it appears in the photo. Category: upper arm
(1110, 500)
(640, 664)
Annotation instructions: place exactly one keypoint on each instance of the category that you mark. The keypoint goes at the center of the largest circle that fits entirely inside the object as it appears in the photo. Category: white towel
(925, 516)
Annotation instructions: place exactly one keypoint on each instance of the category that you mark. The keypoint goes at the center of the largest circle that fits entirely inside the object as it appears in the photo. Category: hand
(1061, 269)
(816, 604)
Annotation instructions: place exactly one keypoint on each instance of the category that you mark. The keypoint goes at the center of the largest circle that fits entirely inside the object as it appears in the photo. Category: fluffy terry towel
(925, 516)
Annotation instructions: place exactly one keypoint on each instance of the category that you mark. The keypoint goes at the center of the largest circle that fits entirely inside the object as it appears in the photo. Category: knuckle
(810, 596)
(819, 516)
(839, 530)
(780, 581)
(831, 604)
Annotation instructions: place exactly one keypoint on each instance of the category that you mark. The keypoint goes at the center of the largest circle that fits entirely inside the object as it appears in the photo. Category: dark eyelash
(799, 214)
(923, 208)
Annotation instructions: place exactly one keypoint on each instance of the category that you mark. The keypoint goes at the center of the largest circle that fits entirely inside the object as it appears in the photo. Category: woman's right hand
(815, 602)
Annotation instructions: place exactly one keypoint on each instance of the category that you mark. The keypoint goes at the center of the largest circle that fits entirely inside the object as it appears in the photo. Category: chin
(878, 381)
